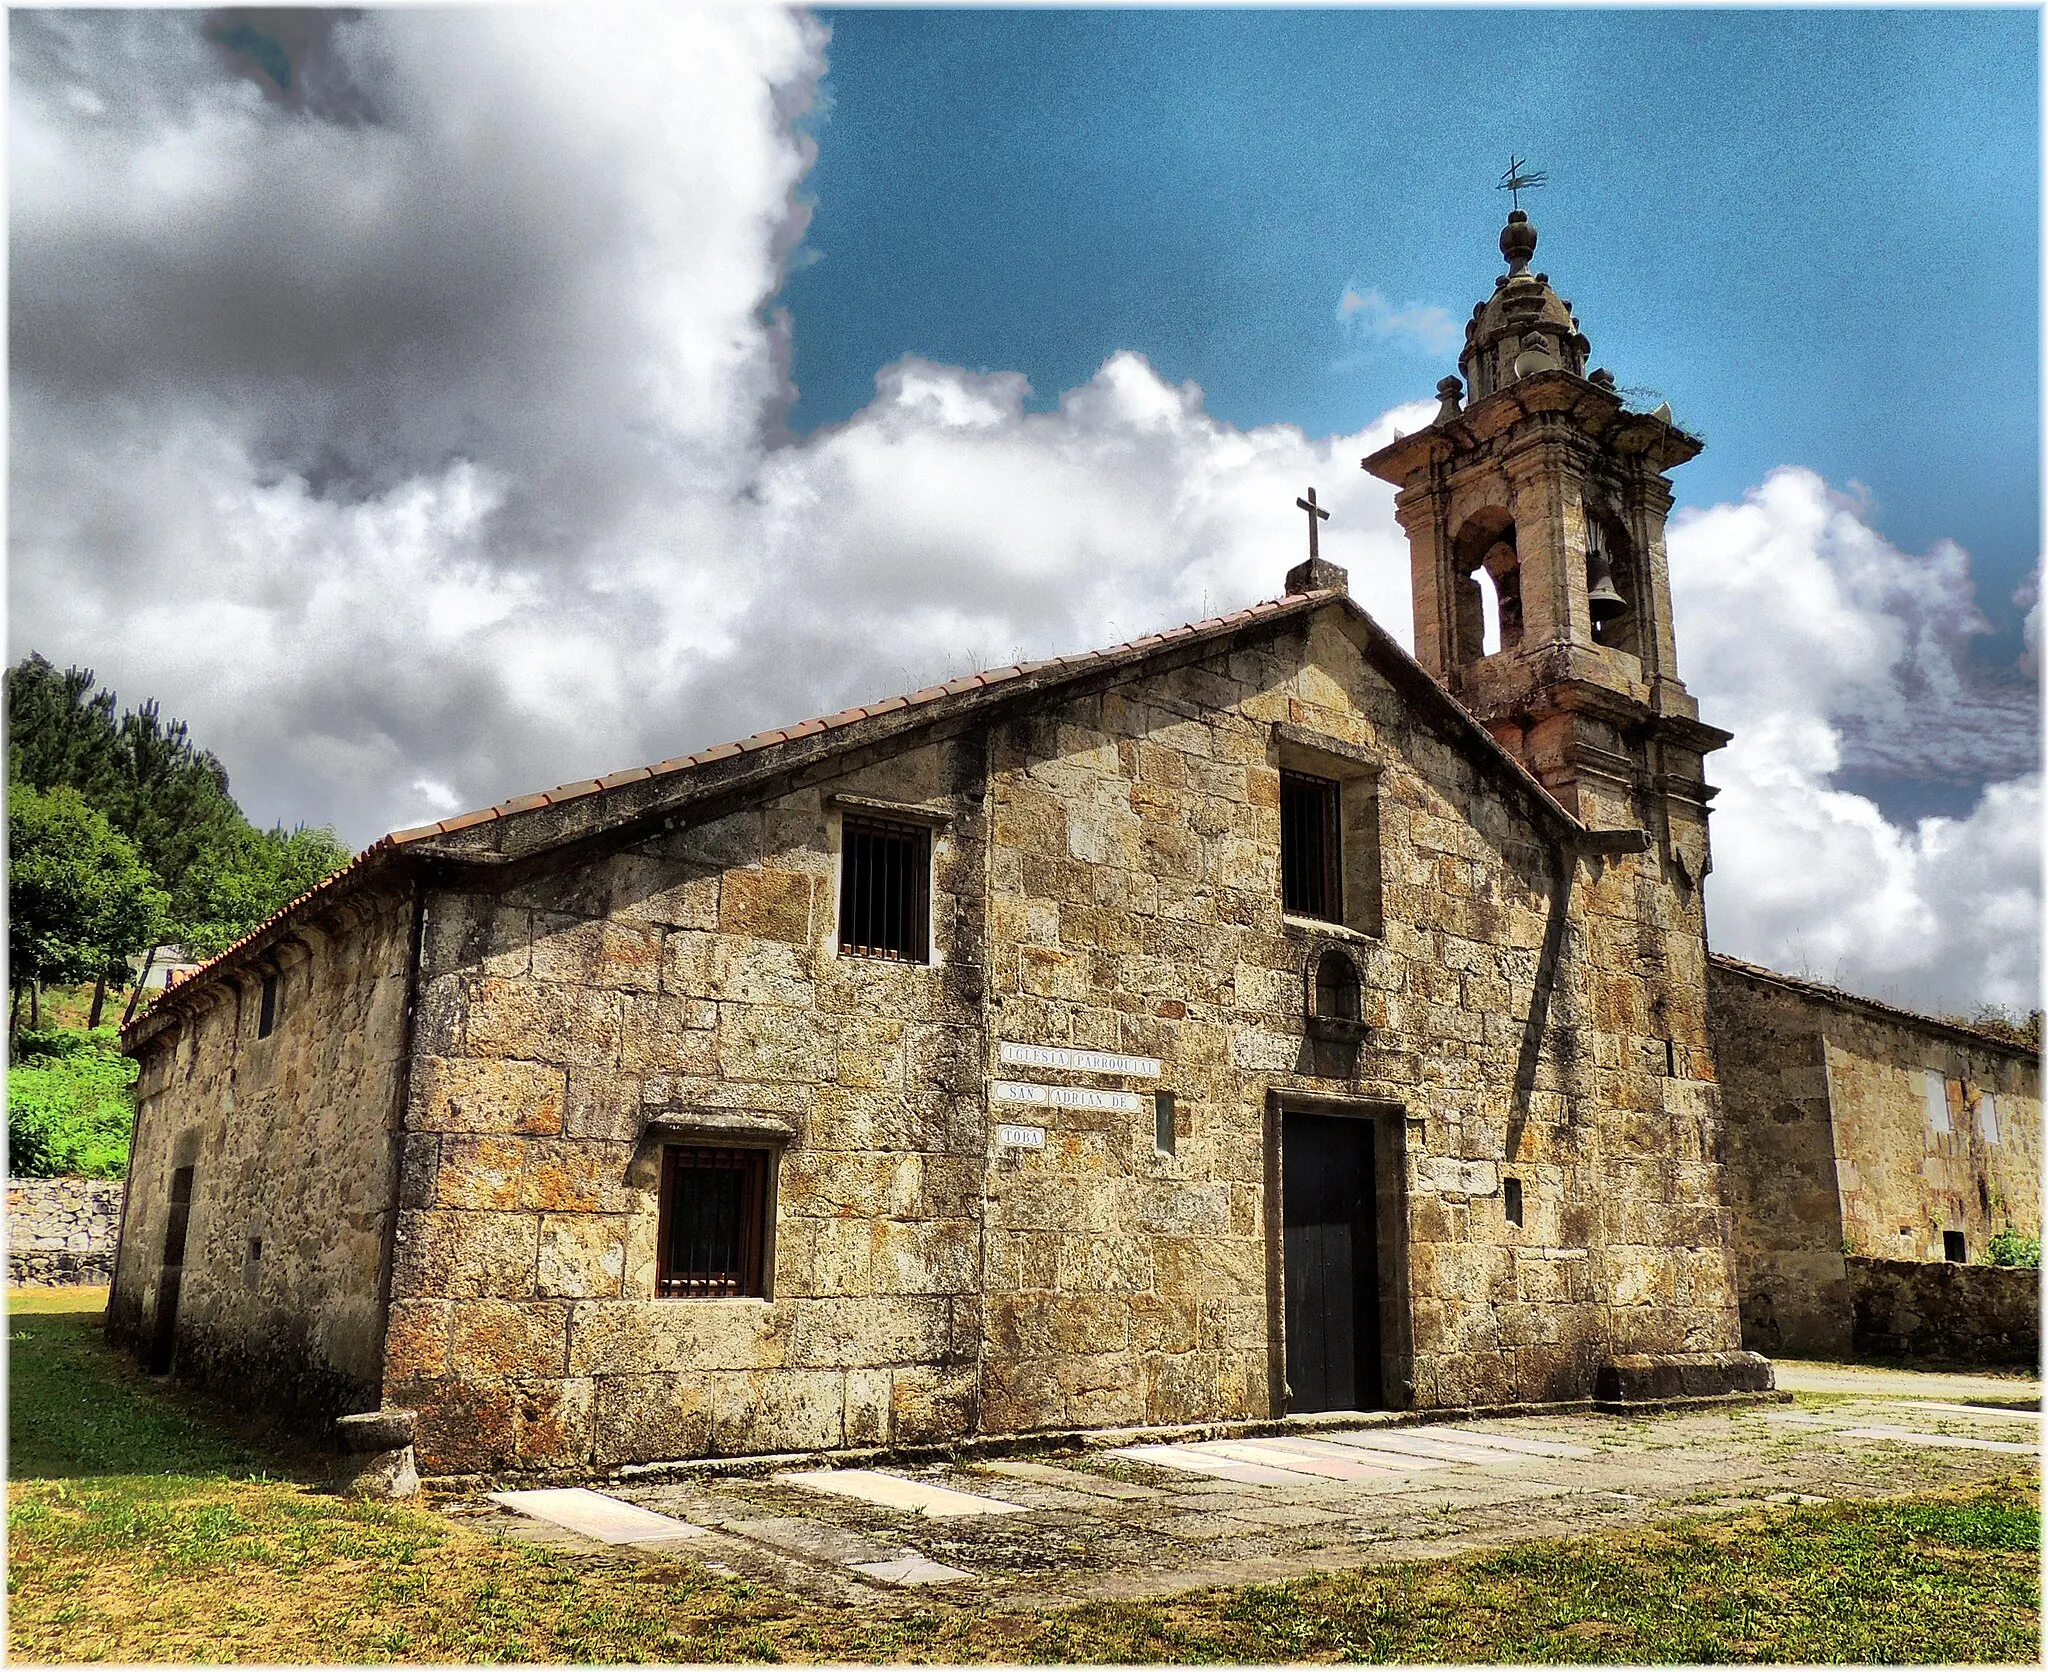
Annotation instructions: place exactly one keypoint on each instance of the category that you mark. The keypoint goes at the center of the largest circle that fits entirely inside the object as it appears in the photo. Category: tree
(60, 730)
(167, 796)
(243, 879)
(80, 900)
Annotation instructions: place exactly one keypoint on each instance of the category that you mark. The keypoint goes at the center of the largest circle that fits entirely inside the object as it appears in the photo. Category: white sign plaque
(1085, 1062)
(1066, 1097)
(1021, 1137)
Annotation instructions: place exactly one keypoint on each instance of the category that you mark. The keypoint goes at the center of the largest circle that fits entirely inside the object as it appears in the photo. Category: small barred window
(1311, 848)
(884, 891)
(713, 1234)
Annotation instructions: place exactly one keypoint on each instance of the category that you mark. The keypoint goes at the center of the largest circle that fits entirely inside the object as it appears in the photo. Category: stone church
(1250, 1019)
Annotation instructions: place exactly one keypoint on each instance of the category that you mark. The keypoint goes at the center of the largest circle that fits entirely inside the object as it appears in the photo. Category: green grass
(140, 1530)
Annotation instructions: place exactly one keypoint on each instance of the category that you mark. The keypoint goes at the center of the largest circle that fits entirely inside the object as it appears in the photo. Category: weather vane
(1516, 181)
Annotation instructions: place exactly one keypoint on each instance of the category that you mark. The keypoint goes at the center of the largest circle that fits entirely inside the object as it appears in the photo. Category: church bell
(1605, 603)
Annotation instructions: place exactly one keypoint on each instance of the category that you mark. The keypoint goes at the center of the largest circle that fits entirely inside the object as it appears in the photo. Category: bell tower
(1545, 489)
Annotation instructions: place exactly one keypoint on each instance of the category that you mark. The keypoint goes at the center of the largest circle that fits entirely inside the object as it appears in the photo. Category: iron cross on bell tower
(1315, 575)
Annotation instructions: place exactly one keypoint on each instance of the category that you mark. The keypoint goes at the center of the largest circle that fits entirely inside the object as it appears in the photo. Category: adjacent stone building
(1247, 1019)
(1863, 1137)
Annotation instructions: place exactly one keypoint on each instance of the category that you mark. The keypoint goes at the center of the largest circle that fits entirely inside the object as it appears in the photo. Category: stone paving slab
(912, 1570)
(597, 1515)
(1991, 1413)
(1202, 1529)
(1423, 1449)
(1073, 1480)
(817, 1539)
(1912, 1437)
(1293, 1457)
(896, 1492)
(1285, 1515)
(1508, 1442)
(1205, 1463)
(1140, 1521)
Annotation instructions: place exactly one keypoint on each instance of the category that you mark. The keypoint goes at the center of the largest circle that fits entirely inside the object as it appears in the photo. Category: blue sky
(1815, 232)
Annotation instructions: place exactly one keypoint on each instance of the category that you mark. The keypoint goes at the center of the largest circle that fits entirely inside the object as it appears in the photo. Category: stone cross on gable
(1315, 514)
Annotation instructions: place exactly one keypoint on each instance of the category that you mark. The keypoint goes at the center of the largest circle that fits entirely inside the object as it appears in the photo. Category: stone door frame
(1390, 1179)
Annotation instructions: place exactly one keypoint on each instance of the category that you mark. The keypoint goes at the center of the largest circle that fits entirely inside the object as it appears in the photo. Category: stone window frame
(861, 809)
(1356, 772)
(732, 1129)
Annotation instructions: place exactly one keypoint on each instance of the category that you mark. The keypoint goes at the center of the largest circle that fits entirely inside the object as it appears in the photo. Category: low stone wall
(62, 1230)
(1950, 1313)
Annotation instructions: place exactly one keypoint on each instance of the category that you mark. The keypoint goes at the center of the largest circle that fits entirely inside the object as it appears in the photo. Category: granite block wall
(1861, 1132)
(62, 1231)
(689, 988)
(291, 1140)
(1943, 1313)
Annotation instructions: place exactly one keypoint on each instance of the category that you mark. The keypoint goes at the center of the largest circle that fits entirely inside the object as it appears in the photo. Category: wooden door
(1330, 1239)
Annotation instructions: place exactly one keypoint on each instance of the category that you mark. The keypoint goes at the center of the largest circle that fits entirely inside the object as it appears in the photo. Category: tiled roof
(848, 716)
(1856, 1001)
(385, 848)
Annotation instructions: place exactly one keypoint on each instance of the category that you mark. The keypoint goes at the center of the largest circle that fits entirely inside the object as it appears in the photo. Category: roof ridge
(982, 680)
(397, 840)
(1828, 990)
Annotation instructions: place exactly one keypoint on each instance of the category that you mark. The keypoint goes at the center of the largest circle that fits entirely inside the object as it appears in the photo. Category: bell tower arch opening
(1614, 591)
(1486, 567)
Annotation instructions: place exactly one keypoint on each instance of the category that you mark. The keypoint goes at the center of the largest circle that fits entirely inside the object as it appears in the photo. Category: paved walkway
(1145, 1520)
(1812, 1376)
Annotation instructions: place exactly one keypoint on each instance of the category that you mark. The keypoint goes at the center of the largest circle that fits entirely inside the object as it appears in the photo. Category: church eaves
(612, 807)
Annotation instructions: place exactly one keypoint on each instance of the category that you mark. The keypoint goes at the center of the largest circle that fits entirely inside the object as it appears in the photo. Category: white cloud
(421, 443)
(1420, 325)
(1823, 647)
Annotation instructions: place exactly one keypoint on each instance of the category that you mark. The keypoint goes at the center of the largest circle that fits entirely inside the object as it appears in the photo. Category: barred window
(713, 1234)
(884, 890)
(1311, 848)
